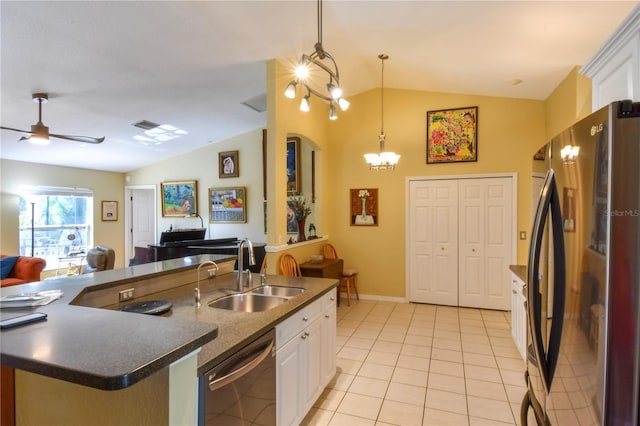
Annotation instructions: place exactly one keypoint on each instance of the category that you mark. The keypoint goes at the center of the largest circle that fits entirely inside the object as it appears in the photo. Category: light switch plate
(523, 235)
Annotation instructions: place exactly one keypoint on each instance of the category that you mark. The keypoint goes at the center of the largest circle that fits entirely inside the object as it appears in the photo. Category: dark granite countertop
(109, 349)
(520, 271)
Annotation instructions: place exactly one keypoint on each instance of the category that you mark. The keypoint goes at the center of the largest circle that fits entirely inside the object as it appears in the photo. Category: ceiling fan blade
(15, 130)
(84, 139)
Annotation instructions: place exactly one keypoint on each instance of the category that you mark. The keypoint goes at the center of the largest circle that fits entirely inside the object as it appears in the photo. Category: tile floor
(415, 364)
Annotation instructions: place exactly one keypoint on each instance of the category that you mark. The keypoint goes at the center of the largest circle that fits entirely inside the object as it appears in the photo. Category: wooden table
(328, 268)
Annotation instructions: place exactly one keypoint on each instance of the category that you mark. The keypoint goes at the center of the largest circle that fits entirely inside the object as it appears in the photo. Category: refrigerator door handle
(549, 202)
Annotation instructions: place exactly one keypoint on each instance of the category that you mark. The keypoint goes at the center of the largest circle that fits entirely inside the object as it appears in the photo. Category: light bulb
(343, 104)
(302, 71)
(290, 92)
(304, 104)
(332, 112)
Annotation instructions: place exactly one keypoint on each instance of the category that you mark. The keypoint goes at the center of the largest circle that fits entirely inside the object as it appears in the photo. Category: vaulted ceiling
(191, 64)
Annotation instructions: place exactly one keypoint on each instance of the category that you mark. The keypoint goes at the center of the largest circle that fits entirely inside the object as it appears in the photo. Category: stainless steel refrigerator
(583, 289)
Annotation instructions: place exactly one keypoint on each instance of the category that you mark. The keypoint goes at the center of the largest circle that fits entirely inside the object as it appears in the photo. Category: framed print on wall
(227, 205)
(228, 164)
(109, 211)
(293, 165)
(452, 135)
(179, 198)
(364, 206)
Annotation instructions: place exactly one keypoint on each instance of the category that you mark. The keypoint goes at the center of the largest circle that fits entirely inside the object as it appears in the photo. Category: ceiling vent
(257, 103)
(146, 125)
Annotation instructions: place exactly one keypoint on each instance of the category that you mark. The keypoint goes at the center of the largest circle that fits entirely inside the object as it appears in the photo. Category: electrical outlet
(125, 295)
(523, 235)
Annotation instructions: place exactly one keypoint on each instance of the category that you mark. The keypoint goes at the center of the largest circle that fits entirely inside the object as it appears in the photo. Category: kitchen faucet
(252, 261)
(196, 291)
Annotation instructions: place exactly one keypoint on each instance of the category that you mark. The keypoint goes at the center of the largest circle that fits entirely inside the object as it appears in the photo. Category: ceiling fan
(39, 133)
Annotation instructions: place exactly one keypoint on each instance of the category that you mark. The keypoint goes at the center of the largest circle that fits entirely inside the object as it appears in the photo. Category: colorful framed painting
(109, 211)
(228, 205)
(452, 135)
(364, 206)
(228, 164)
(293, 165)
(179, 198)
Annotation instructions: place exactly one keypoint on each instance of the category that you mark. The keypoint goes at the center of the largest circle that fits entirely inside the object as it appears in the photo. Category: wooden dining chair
(349, 276)
(289, 266)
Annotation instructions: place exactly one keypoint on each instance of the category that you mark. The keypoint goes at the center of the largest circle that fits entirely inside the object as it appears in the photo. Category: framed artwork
(292, 223)
(179, 198)
(452, 135)
(293, 165)
(109, 211)
(228, 205)
(364, 206)
(228, 164)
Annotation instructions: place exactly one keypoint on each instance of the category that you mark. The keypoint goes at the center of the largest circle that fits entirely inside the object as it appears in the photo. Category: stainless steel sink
(247, 302)
(276, 290)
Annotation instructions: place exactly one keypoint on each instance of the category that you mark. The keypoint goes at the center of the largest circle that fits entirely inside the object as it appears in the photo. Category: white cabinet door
(311, 353)
(433, 242)
(486, 242)
(328, 351)
(288, 383)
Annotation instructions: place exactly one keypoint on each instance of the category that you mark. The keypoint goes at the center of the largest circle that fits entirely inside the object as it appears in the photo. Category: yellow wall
(17, 175)
(568, 103)
(507, 129)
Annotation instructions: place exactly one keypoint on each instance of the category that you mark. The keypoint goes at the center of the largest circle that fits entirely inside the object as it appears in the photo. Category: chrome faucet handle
(196, 293)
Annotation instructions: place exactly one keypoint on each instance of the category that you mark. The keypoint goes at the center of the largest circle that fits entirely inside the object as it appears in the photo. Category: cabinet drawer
(329, 299)
(297, 322)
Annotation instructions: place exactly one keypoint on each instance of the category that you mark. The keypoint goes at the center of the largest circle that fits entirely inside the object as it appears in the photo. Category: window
(56, 222)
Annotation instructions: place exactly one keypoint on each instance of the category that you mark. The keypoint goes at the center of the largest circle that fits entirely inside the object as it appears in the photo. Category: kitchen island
(89, 357)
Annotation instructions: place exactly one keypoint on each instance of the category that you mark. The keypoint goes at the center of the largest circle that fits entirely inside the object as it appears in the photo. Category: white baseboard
(379, 298)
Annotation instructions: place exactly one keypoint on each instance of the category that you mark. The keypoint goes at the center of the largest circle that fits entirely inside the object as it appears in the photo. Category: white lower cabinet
(519, 315)
(305, 358)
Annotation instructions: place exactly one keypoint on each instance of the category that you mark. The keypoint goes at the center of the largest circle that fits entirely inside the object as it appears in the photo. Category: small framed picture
(179, 198)
(228, 164)
(364, 206)
(109, 211)
(228, 205)
(293, 165)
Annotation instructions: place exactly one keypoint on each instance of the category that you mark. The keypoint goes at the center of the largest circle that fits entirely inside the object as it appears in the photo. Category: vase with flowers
(301, 210)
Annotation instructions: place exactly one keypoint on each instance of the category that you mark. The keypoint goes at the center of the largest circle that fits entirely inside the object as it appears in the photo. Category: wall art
(228, 164)
(179, 198)
(228, 205)
(452, 135)
(364, 206)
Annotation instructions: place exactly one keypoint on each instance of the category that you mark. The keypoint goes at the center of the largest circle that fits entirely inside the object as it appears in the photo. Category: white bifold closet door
(461, 242)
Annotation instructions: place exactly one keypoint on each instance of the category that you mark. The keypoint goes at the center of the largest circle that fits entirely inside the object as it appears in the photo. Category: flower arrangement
(300, 206)
(363, 193)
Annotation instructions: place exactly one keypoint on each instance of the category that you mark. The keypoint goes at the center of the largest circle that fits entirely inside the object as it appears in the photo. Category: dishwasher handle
(256, 357)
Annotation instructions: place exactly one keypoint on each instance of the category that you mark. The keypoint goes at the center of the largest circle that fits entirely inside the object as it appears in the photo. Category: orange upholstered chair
(349, 276)
(26, 270)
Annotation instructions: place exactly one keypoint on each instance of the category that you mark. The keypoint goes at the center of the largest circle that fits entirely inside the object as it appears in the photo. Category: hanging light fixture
(385, 159)
(323, 61)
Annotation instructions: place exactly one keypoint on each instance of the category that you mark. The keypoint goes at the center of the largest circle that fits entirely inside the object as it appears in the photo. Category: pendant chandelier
(319, 61)
(385, 160)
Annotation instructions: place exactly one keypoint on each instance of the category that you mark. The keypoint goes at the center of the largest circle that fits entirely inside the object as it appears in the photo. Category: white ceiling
(107, 65)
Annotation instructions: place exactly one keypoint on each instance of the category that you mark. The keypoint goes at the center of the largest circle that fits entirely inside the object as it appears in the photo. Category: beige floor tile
(484, 389)
(360, 406)
(486, 374)
(384, 346)
(446, 383)
(353, 353)
(341, 381)
(454, 345)
(347, 323)
(420, 331)
(478, 359)
(329, 399)
(410, 377)
(340, 419)
(507, 352)
(408, 394)
(446, 355)
(399, 413)
(421, 323)
(490, 409)
(499, 332)
(433, 417)
(478, 348)
(368, 386)
(390, 336)
(446, 334)
(446, 401)
(397, 322)
(364, 333)
(413, 339)
(513, 377)
(376, 371)
(413, 362)
(317, 417)
(360, 343)
(347, 366)
(384, 358)
(501, 341)
(477, 421)
(368, 324)
(475, 338)
(345, 331)
(416, 350)
(473, 329)
(513, 364)
(395, 328)
(515, 394)
(448, 368)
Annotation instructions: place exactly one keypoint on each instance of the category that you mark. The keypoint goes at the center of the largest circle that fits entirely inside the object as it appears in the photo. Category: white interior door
(140, 205)
(433, 242)
(486, 242)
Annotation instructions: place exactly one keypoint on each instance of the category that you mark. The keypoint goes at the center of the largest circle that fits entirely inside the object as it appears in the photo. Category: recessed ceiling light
(516, 81)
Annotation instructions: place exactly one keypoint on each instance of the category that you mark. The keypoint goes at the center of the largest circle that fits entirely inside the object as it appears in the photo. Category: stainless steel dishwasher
(241, 390)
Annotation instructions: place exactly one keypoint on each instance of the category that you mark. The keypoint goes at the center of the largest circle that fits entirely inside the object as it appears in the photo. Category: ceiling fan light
(343, 104)
(39, 140)
(290, 91)
(304, 104)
